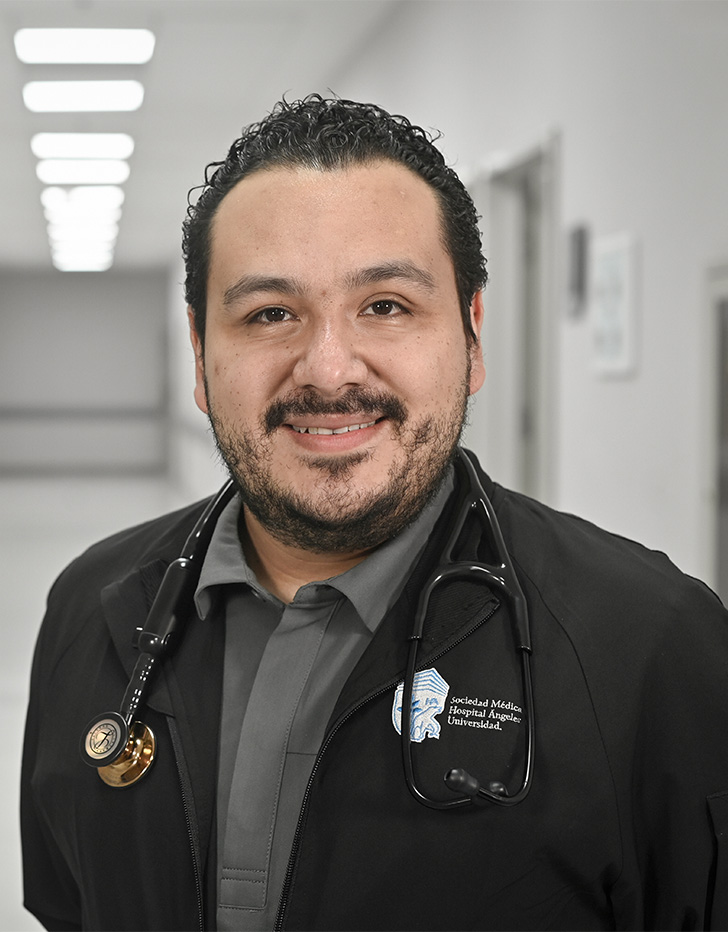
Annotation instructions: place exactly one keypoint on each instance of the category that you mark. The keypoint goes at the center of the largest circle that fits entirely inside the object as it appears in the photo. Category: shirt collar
(371, 586)
(224, 562)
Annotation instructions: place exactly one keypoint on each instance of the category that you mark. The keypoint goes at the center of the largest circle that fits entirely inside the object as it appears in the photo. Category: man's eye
(272, 315)
(384, 308)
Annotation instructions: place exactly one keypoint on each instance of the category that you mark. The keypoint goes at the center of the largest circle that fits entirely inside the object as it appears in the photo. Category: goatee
(344, 518)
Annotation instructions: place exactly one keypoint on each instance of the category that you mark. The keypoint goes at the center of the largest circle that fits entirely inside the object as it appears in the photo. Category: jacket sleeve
(718, 804)
(50, 891)
(679, 794)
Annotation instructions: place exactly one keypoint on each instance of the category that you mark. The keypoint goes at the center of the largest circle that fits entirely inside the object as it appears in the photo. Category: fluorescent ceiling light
(96, 196)
(70, 216)
(84, 46)
(78, 96)
(82, 145)
(83, 226)
(82, 263)
(82, 171)
(82, 232)
(95, 251)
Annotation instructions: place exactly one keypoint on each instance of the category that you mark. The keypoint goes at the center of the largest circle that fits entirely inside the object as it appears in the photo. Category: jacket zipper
(299, 828)
(186, 790)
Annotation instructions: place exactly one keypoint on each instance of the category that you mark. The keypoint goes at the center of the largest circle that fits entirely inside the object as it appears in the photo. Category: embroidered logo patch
(429, 694)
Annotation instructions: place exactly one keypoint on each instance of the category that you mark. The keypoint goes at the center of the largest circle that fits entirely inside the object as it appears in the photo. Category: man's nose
(330, 358)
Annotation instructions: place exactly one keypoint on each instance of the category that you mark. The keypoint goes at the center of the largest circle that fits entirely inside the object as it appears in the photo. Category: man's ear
(200, 393)
(477, 365)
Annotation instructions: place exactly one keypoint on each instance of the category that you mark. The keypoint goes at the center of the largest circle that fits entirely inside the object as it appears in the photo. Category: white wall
(83, 386)
(637, 92)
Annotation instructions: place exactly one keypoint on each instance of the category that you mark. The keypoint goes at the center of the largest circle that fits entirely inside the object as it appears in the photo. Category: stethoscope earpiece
(121, 754)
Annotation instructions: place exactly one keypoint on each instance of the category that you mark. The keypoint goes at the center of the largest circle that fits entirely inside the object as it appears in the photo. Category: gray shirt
(285, 665)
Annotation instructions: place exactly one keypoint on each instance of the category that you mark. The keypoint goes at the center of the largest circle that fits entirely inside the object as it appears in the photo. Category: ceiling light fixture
(82, 261)
(83, 226)
(82, 256)
(84, 46)
(84, 198)
(98, 232)
(71, 217)
(82, 96)
(82, 171)
(82, 145)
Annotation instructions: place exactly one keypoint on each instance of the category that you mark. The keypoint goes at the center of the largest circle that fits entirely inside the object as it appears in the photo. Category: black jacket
(626, 823)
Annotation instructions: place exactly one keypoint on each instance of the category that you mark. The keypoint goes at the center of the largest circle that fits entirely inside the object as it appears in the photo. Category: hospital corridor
(593, 139)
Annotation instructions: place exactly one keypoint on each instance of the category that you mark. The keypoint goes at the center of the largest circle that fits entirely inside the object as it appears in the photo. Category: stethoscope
(501, 576)
(123, 748)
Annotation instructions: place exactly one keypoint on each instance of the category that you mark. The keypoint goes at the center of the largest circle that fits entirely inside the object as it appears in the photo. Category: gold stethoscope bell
(134, 760)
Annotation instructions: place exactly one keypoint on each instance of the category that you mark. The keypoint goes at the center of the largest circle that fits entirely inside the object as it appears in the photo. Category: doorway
(721, 309)
(715, 407)
(513, 420)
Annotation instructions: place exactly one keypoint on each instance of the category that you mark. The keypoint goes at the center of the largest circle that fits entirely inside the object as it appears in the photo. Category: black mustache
(354, 401)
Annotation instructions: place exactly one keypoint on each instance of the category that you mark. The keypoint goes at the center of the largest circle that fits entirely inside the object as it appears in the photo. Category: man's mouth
(308, 413)
(337, 430)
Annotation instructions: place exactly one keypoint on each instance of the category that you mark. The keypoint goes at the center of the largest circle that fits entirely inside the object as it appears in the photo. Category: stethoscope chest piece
(129, 751)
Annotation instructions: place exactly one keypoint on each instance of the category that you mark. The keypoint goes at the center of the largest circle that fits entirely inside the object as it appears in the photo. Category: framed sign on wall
(614, 305)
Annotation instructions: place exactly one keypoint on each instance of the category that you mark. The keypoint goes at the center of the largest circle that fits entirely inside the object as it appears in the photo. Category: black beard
(357, 520)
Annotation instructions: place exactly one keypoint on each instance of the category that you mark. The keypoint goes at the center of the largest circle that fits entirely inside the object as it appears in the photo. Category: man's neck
(284, 568)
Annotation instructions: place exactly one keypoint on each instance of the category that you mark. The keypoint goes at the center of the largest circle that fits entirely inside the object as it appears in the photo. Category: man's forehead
(300, 180)
(271, 202)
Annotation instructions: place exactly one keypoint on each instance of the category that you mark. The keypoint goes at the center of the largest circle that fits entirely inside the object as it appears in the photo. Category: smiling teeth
(325, 430)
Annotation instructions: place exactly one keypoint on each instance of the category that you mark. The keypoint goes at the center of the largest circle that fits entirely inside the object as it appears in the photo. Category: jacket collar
(127, 600)
(126, 604)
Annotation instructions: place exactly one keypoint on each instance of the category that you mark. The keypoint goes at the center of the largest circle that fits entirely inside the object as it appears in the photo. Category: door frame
(716, 292)
(514, 419)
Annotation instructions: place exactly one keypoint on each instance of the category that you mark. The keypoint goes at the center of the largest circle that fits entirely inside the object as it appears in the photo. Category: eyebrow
(372, 275)
(402, 270)
(252, 284)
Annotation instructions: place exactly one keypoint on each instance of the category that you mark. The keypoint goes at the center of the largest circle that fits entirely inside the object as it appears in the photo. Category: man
(334, 278)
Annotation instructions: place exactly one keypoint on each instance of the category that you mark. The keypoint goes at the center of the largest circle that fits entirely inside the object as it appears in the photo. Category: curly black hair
(328, 134)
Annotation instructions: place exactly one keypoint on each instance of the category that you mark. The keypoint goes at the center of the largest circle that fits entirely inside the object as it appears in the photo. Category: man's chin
(330, 519)
(337, 467)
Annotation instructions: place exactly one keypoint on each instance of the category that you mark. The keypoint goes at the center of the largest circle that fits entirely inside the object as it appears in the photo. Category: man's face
(336, 368)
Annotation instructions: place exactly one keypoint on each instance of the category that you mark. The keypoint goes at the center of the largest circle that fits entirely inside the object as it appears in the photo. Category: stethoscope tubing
(172, 602)
(503, 578)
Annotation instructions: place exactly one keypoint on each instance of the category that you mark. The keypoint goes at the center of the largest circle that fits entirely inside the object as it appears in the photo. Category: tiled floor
(43, 525)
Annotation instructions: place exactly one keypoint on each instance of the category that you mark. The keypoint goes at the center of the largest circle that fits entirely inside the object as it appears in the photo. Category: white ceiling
(217, 65)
